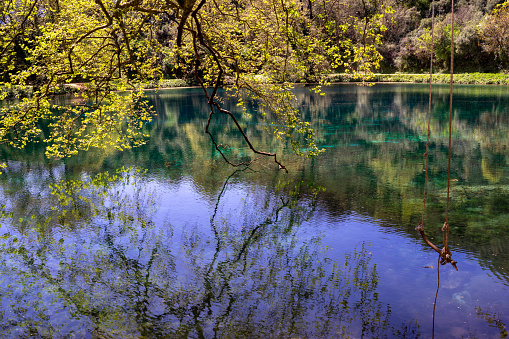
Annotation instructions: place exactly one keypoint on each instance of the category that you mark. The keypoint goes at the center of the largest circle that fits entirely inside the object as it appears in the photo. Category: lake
(169, 241)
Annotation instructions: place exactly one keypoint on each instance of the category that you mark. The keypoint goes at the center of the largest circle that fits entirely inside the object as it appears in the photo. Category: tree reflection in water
(102, 265)
(112, 266)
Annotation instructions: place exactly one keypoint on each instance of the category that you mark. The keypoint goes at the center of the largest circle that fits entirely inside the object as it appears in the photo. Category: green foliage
(117, 122)
(494, 30)
(254, 49)
(460, 78)
(354, 37)
(82, 40)
(280, 105)
(366, 56)
(94, 48)
(411, 51)
(442, 45)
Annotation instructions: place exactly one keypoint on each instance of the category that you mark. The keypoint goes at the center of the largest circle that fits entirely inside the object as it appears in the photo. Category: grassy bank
(461, 78)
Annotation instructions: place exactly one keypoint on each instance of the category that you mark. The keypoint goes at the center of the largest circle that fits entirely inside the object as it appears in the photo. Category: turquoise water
(169, 241)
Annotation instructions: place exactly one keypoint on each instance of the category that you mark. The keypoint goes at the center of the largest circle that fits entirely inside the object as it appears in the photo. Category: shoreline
(480, 79)
(438, 78)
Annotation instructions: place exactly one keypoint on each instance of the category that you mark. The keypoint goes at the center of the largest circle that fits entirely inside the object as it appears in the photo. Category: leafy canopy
(106, 50)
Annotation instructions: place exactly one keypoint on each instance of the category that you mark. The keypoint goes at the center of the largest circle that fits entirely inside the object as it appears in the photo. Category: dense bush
(461, 78)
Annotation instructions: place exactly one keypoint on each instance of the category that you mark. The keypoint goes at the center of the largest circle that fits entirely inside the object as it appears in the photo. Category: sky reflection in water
(329, 250)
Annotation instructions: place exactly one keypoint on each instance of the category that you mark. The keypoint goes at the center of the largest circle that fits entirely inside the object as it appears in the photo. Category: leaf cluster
(255, 48)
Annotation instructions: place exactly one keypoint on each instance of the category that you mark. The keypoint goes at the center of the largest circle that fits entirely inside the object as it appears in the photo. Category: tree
(353, 33)
(63, 43)
(494, 31)
(254, 48)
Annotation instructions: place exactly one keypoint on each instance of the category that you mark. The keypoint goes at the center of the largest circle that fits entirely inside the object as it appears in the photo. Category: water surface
(169, 241)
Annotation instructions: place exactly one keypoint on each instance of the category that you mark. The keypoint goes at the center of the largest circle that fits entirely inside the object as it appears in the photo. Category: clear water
(168, 241)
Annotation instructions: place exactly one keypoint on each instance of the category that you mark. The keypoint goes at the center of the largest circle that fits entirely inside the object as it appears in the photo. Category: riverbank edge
(439, 78)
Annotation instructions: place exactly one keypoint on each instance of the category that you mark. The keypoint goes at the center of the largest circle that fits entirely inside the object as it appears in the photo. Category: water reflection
(103, 267)
(179, 251)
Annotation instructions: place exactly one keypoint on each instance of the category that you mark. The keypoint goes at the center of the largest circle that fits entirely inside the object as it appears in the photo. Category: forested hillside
(360, 35)
(481, 31)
